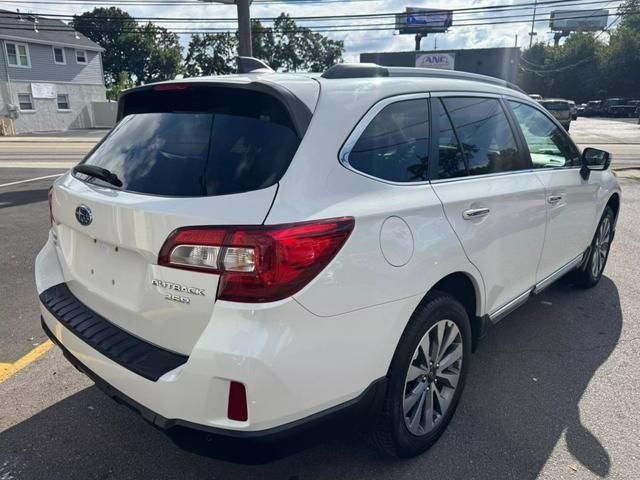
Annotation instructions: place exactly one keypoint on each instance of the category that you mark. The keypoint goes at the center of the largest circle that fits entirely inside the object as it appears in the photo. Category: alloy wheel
(432, 377)
(601, 247)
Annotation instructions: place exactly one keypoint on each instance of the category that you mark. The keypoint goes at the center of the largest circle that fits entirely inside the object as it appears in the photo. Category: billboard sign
(445, 61)
(424, 20)
(572, 20)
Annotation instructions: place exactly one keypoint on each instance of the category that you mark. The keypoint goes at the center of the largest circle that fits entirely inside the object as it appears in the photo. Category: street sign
(445, 61)
(423, 20)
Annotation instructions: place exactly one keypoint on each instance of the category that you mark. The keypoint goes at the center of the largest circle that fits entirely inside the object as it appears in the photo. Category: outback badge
(178, 288)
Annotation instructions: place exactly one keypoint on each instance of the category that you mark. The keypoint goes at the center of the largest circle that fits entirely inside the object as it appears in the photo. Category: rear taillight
(261, 263)
(51, 207)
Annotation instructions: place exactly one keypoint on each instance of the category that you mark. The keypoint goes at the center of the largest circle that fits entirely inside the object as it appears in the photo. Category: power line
(315, 28)
(505, 7)
(297, 19)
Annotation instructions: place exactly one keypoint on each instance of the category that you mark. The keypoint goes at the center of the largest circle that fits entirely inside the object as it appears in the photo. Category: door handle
(553, 199)
(475, 213)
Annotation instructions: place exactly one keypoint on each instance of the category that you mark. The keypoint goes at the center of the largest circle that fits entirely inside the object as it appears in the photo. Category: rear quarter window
(394, 145)
(198, 143)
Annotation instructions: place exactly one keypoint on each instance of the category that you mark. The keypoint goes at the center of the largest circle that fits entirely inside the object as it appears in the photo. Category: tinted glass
(394, 145)
(235, 148)
(485, 135)
(451, 162)
(549, 145)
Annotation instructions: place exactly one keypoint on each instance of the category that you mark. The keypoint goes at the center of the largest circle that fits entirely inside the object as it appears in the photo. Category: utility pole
(244, 29)
(244, 25)
(533, 23)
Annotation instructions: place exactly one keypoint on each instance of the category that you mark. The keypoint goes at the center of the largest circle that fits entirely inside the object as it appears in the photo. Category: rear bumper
(248, 446)
(293, 363)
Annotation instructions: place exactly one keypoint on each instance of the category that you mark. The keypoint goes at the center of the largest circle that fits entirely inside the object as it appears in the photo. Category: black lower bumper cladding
(251, 447)
(143, 358)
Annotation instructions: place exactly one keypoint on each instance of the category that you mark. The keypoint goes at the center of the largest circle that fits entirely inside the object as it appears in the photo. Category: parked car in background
(560, 109)
(581, 108)
(593, 108)
(535, 96)
(610, 106)
(574, 110)
(622, 111)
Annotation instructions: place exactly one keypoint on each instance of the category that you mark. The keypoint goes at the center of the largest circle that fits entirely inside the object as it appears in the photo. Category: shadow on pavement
(16, 198)
(523, 394)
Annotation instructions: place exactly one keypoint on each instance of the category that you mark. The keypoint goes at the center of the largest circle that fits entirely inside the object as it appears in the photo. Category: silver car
(560, 109)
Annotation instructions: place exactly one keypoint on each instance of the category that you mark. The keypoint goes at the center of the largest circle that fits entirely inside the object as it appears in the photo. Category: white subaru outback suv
(254, 258)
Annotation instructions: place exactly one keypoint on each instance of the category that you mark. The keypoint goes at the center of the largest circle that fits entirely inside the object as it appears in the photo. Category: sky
(355, 42)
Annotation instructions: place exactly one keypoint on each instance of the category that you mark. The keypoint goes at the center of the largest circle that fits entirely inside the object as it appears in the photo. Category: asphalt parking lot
(553, 390)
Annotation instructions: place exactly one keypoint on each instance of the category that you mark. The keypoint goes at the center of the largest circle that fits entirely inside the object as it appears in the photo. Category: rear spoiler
(298, 111)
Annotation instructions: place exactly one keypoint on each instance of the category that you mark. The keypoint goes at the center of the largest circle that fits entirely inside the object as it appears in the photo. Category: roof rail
(369, 70)
(252, 65)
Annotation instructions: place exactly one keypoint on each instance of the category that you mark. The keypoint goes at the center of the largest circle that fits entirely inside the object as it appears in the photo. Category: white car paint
(328, 342)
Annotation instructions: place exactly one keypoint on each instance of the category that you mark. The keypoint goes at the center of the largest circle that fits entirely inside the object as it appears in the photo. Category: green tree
(621, 59)
(147, 53)
(532, 61)
(285, 47)
(584, 67)
(111, 28)
(160, 54)
(578, 74)
(211, 54)
(123, 83)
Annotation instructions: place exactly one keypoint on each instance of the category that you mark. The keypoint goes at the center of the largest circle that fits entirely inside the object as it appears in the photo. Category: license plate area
(107, 269)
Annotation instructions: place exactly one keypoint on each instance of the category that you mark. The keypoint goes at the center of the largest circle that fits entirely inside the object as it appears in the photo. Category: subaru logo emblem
(84, 215)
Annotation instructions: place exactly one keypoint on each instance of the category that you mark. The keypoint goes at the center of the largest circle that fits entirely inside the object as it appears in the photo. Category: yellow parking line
(7, 370)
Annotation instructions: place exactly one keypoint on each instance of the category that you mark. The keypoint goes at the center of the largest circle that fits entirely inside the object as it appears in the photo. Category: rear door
(571, 201)
(207, 156)
(492, 199)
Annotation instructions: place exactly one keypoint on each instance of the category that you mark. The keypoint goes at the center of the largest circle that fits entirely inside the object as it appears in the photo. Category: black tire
(391, 434)
(584, 276)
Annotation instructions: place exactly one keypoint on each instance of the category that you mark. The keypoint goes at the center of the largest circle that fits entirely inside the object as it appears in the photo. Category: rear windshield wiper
(98, 172)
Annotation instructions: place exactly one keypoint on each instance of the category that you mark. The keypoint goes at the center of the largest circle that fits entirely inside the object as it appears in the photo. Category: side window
(548, 144)
(485, 135)
(451, 163)
(395, 143)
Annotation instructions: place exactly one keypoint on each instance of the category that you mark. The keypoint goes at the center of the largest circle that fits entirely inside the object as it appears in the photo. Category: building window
(25, 101)
(58, 56)
(63, 101)
(81, 56)
(18, 55)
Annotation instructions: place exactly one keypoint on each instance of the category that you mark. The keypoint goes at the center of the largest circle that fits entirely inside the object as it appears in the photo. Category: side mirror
(594, 159)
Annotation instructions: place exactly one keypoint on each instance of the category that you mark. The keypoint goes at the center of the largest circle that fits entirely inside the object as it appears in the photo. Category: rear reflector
(258, 263)
(237, 407)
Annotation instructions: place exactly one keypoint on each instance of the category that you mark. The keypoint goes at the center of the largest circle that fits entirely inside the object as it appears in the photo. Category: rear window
(201, 142)
(555, 105)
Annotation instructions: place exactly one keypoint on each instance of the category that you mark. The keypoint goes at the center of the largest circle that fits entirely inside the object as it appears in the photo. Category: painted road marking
(31, 180)
(8, 370)
(22, 164)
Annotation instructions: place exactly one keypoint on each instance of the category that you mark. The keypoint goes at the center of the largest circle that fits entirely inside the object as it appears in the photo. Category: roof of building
(36, 29)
